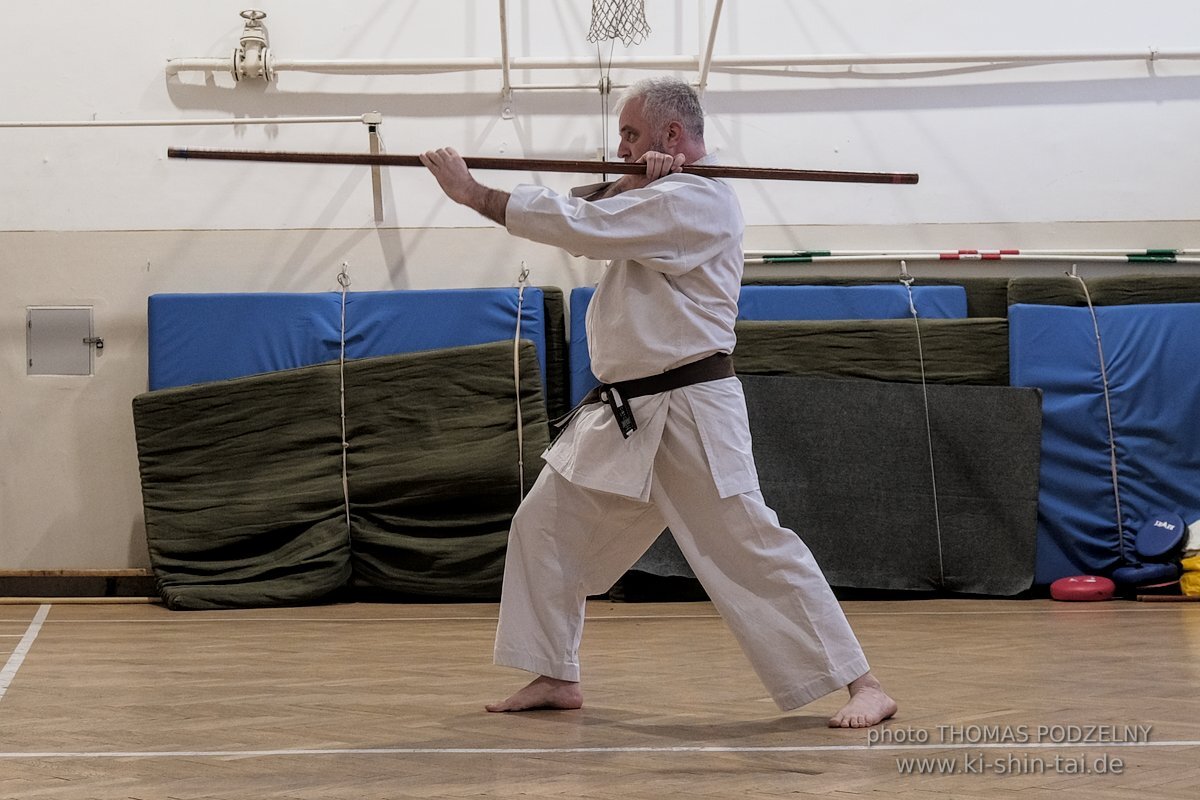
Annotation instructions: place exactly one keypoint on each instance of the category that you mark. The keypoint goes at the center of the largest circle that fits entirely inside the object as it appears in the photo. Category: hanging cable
(907, 280)
(605, 87)
(1112, 439)
(343, 280)
(522, 281)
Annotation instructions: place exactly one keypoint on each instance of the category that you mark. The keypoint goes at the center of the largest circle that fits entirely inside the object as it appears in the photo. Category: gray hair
(665, 100)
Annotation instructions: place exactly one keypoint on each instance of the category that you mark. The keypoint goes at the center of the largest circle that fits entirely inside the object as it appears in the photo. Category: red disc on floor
(1082, 588)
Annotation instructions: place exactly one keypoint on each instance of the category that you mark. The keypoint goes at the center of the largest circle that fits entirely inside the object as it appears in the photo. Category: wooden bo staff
(545, 165)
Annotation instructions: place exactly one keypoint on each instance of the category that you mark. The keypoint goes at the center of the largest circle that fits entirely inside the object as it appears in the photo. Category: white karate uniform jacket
(668, 298)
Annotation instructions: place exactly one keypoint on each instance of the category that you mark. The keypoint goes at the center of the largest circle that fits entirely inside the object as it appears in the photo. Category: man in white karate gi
(667, 443)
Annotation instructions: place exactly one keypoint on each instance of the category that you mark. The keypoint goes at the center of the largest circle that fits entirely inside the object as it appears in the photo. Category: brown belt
(617, 395)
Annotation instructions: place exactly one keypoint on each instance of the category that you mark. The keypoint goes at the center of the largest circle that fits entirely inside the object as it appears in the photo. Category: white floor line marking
(18, 654)
(516, 751)
(623, 617)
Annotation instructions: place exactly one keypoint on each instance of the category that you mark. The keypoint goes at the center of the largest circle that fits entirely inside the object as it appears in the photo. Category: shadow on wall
(267, 101)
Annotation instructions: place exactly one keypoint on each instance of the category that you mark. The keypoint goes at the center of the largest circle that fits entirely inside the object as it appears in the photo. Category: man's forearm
(605, 190)
(491, 203)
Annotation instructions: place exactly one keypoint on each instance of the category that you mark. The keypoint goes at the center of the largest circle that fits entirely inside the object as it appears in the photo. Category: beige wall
(1052, 156)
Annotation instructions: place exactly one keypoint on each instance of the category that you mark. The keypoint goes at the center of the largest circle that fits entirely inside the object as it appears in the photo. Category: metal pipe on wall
(679, 63)
(149, 123)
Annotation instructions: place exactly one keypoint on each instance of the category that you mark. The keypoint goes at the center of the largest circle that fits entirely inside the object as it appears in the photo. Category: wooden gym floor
(385, 701)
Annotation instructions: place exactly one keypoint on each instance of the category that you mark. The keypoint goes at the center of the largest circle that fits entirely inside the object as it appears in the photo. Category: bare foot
(542, 692)
(869, 705)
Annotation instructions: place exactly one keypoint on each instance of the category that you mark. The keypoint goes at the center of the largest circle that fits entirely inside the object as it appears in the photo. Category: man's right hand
(657, 165)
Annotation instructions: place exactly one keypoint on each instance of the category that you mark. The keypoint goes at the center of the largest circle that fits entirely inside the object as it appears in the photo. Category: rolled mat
(242, 479)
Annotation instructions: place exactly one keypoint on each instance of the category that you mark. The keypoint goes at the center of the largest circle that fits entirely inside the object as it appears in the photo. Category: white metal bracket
(373, 120)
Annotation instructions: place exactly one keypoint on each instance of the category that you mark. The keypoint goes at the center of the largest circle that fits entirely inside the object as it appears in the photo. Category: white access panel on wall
(60, 340)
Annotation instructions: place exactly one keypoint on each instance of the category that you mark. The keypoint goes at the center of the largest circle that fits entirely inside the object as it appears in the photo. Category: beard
(657, 144)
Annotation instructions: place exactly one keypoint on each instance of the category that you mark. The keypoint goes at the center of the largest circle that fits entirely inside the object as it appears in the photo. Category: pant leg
(761, 577)
(566, 543)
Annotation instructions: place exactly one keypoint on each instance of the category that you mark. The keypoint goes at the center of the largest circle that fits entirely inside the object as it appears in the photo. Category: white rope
(907, 280)
(522, 281)
(1112, 440)
(343, 280)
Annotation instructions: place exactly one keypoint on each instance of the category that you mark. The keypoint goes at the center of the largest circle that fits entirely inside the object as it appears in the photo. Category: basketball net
(619, 19)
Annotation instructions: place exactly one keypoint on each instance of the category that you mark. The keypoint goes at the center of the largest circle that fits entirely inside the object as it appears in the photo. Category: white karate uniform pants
(568, 542)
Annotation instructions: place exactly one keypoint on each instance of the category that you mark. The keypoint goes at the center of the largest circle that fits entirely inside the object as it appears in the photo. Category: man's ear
(674, 132)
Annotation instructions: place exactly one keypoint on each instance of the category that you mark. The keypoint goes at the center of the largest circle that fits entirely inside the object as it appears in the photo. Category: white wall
(1082, 155)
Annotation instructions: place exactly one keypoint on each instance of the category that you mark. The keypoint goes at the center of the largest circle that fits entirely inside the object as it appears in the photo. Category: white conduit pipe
(938, 257)
(564, 86)
(143, 123)
(934, 59)
(681, 63)
(505, 65)
(706, 64)
(403, 66)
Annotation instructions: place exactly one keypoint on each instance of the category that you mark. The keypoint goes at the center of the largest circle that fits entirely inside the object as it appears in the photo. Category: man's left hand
(452, 174)
(456, 181)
